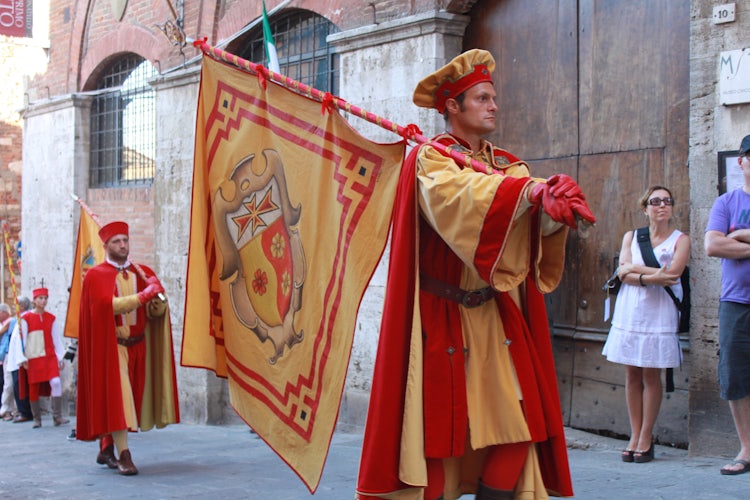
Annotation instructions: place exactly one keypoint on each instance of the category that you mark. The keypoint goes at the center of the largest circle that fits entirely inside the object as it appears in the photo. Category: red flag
(89, 252)
(290, 216)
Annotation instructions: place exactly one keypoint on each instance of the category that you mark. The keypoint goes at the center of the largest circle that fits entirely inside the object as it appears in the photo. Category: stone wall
(22, 58)
(713, 128)
(384, 48)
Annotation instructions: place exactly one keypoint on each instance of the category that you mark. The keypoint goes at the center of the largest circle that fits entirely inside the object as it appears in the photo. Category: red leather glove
(563, 200)
(564, 185)
(537, 193)
(153, 288)
(559, 210)
(582, 210)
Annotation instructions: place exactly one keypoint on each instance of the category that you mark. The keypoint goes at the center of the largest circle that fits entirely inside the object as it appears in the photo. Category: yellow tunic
(455, 202)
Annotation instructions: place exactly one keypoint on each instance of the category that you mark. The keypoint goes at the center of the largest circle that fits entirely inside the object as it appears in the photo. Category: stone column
(204, 398)
(55, 166)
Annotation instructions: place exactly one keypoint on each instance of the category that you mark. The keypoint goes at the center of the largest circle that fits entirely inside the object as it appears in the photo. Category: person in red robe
(464, 396)
(41, 356)
(126, 370)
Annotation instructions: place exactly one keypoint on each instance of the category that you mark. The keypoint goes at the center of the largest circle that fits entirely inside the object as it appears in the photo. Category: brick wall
(131, 205)
(12, 73)
(81, 39)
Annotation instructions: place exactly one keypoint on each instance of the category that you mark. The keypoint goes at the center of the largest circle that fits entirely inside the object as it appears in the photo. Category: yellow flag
(89, 252)
(290, 216)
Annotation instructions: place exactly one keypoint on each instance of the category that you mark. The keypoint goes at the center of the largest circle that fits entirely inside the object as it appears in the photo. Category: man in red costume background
(126, 371)
(464, 397)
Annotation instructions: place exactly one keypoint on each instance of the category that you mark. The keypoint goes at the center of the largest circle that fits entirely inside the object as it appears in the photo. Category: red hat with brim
(463, 72)
(38, 292)
(111, 229)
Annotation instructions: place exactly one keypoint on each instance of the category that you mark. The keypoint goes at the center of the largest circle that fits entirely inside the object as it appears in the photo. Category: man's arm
(718, 244)
(57, 341)
(740, 235)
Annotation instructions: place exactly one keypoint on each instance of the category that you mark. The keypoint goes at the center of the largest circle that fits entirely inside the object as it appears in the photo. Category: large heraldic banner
(290, 216)
(14, 19)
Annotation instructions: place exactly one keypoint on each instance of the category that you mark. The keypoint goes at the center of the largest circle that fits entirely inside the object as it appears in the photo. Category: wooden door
(597, 90)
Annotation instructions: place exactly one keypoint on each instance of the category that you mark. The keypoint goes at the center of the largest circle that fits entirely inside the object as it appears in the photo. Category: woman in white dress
(643, 336)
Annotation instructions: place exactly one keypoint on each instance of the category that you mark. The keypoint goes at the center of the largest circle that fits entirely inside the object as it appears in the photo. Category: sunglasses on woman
(655, 202)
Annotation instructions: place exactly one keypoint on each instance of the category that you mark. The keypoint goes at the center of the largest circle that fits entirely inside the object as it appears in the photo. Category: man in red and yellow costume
(126, 370)
(464, 397)
(41, 341)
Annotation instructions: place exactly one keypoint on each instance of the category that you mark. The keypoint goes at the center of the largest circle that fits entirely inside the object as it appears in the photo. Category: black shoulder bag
(647, 252)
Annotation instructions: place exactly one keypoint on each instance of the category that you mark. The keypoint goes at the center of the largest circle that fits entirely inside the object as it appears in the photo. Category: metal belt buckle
(474, 298)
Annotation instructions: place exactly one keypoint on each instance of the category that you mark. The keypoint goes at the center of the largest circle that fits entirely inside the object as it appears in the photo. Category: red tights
(500, 469)
(106, 440)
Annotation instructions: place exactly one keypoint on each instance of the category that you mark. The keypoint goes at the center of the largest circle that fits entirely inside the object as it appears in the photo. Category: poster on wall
(734, 76)
(730, 173)
(15, 18)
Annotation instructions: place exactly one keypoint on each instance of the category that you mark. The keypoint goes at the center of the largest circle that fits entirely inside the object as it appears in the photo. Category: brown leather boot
(36, 410)
(57, 417)
(484, 492)
(107, 456)
(125, 464)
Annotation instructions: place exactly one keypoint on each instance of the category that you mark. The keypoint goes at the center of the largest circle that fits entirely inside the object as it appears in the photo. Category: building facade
(24, 48)
(620, 95)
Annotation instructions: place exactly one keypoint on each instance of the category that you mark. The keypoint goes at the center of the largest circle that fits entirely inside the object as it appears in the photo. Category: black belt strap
(643, 237)
(130, 341)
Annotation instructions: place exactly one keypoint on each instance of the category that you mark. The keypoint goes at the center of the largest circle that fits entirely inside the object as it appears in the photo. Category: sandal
(627, 455)
(732, 472)
(641, 457)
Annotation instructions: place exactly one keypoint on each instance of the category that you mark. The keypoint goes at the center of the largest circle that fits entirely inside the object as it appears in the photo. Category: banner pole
(10, 270)
(410, 132)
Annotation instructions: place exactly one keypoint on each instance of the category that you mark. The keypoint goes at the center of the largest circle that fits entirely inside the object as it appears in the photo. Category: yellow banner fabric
(290, 216)
(89, 252)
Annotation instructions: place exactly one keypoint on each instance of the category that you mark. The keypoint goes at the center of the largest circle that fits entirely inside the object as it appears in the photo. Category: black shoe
(641, 457)
(72, 435)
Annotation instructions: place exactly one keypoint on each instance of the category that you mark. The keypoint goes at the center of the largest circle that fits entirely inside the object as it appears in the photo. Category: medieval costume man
(464, 397)
(126, 370)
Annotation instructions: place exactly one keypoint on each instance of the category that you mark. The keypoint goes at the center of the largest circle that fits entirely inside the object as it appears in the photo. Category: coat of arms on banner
(289, 217)
(261, 251)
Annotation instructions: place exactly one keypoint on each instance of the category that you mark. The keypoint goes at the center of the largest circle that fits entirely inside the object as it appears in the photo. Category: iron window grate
(123, 131)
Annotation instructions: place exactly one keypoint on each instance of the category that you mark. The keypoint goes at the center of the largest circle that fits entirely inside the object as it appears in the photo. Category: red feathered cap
(38, 292)
(111, 229)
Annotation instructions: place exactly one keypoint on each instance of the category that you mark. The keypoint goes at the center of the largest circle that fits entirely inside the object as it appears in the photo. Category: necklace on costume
(121, 268)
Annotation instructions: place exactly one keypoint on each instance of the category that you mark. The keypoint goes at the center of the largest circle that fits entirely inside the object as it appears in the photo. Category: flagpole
(10, 269)
(270, 45)
(410, 132)
(95, 218)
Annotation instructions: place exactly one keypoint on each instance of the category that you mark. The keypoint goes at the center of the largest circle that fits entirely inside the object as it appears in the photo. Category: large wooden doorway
(597, 90)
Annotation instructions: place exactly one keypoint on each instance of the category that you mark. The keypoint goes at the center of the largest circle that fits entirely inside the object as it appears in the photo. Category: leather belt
(130, 341)
(467, 298)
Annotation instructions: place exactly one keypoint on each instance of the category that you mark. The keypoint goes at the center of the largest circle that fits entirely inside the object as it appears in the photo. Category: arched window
(304, 54)
(123, 132)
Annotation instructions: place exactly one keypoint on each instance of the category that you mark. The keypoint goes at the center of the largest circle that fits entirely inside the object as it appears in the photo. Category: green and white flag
(273, 58)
